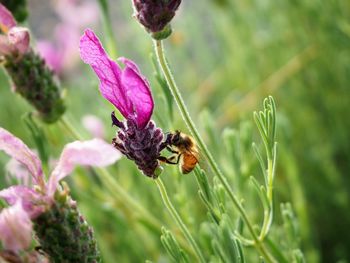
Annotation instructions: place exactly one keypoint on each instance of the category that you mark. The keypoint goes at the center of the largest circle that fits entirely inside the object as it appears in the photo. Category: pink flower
(29, 202)
(126, 89)
(94, 125)
(15, 39)
(61, 53)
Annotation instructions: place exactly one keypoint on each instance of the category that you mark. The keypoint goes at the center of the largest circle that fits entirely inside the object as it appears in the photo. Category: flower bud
(155, 15)
(63, 233)
(35, 82)
(18, 8)
(19, 38)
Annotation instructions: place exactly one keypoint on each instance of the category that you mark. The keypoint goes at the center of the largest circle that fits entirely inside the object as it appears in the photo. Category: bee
(185, 151)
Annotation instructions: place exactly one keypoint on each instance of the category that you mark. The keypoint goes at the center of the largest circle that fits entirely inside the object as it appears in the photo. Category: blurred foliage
(226, 57)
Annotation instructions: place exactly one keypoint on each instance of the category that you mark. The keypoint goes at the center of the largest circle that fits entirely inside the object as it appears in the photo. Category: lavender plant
(220, 224)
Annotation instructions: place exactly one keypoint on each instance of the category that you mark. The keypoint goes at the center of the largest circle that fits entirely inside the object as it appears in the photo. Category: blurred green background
(226, 56)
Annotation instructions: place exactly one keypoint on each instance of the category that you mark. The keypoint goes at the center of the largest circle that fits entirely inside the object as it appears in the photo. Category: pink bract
(126, 89)
(30, 201)
(7, 20)
(15, 39)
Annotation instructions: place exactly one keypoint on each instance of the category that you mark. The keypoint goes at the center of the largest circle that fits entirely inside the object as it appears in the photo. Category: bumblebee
(184, 149)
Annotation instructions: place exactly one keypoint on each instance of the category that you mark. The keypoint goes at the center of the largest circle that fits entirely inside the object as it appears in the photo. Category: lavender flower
(29, 74)
(155, 15)
(45, 200)
(138, 138)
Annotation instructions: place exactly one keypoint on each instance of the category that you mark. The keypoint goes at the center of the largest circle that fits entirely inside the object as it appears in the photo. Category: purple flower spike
(126, 88)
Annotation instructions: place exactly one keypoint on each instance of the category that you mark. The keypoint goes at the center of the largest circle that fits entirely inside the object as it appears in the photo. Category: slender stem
(268, 214)
(107, 24)
(191, 126)
(178, 219)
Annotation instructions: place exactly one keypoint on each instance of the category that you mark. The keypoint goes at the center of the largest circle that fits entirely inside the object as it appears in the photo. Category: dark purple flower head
(155, 15)
(129, 91)
(126, 88)
(143, 146)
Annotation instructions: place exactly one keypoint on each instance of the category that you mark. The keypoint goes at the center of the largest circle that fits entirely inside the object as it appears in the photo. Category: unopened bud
(155, 15)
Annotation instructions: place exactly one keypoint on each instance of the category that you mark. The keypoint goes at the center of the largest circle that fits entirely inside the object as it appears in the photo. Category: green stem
(268, 214)
(107, 24)
(191, 126)
(178, 219)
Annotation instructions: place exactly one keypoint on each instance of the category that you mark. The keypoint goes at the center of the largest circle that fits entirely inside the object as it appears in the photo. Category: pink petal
(15, 228)
(24, 195)
(19, 151)
(92, 53)
(19, 38)
(138, 92)
(15, 170)
(95, 152)
(127, 89)
(94, 125)
(7, 21)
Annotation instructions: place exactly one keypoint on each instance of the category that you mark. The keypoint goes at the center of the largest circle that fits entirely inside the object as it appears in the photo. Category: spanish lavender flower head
(155, 15)
(30, 76)
(46, 207)
(143, 146)
(129, 91)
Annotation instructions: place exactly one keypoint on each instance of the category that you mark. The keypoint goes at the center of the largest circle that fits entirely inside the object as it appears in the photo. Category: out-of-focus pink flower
(32, 201)
(15, 227)
(94, 125)
(69, 9)
(51, 55)
(126, 89)
(15, 39)
(61, 53)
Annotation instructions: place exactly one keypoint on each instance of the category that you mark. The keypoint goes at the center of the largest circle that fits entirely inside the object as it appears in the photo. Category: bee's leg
(166, 143)
(165, 160)
(171, 150)
(172, 157)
